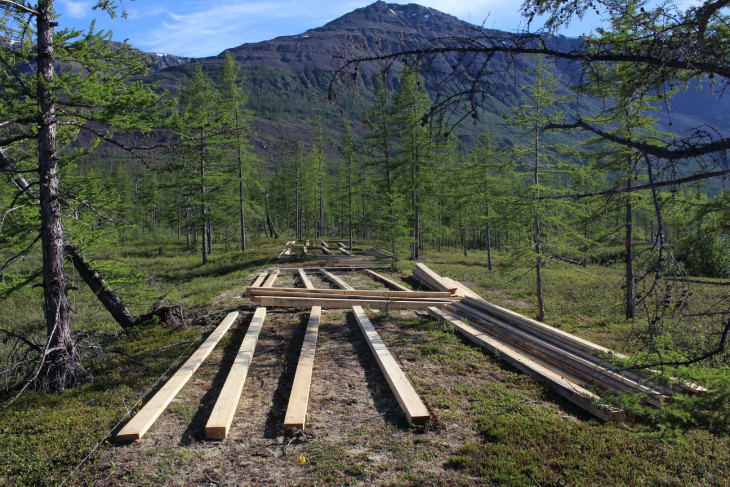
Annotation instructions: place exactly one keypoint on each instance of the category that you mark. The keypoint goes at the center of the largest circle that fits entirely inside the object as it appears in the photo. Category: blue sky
(204, 28)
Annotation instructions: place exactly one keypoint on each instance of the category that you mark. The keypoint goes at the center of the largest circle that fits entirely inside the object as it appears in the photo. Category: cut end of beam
(127, 437)
(216, 432)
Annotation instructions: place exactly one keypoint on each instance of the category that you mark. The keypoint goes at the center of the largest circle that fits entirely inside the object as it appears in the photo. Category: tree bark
(99, 287)
(61, 366)
(630, 305)
(242, 209)
(203, 226)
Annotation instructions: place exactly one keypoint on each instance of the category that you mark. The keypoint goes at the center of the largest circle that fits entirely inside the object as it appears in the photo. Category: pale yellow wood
(407, 397)
(296, 411)
(305, 279)
(335, 280)
(333, 303)
(537, 327)
(219, 422)
(326, 251)
(141, 422)
(259, 280)
(388, 282)
(346, 252)
(588, 371)
(341, 293)
(569, 390)
(272, 277)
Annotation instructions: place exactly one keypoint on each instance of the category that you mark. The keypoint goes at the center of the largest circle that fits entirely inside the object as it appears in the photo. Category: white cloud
(229, 24)
(77, 10)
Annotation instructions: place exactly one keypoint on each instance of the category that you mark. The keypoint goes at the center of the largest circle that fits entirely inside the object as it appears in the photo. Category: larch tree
(234, 97)
(58, 85)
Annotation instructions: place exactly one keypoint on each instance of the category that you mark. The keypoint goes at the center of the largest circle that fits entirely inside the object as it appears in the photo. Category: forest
(99, 163)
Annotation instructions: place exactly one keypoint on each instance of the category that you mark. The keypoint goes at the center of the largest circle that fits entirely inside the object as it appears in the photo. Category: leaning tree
(65, 92)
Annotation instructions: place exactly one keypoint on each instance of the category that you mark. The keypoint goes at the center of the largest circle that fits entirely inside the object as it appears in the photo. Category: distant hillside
(288, 77)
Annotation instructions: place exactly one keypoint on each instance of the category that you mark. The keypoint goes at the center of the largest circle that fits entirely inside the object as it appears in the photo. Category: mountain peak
(398, 16)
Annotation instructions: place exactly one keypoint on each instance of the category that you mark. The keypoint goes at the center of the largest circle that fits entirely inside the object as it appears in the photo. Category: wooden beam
(569, 390)
(326, 251)
(344, 251)
(141, 422)
(388, 282)
(593, 373)
(556, 335)
(335, 280)
(259, 280)
(305, 279)
(343, 293)
(219, 422)
(272, 277)
(405, 394)
(296, 411)
(343, 303)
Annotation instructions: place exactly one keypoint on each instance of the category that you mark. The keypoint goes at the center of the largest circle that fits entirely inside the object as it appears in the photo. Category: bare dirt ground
(356, 433)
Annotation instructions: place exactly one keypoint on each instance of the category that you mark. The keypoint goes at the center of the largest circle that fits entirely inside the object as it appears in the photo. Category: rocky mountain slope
(288, 76)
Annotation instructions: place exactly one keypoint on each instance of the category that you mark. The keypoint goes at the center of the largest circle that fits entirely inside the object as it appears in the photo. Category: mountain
(288, 77)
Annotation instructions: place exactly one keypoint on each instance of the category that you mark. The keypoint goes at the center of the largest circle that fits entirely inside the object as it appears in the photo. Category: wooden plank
(588, 371)
(569, 390)
(145, 418)
(554, 334)
(346, 252)
(342, 293)
(405, 394)
(296, 411)
(335, 280)
(272, 277)
(388, 282)
(305, 279)
(326, 251)
(219, 422)
(332, 303)
(260, 279)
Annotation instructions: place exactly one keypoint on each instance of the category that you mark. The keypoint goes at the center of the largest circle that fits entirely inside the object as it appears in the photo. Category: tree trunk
(99, 287)
(203, 226)
(269, 221)
(61, 365)
(629, 256)
(242, 209)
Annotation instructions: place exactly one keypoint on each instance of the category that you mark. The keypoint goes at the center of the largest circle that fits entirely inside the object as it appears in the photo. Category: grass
(493, 425)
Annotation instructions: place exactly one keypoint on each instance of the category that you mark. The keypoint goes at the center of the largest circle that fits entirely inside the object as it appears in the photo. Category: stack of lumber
(347, 298)
(579, 360)
(567, 363)
(431, 280)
